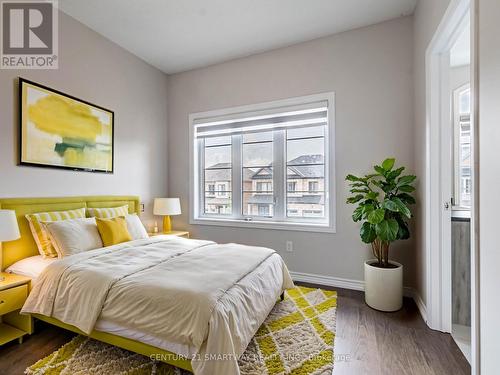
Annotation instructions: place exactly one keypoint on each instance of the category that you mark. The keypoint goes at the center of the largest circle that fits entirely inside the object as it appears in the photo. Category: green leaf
(403, 232)
(405, 180)
(406, 188)
(352, 178)
(395, 173)
(372, 195)
(367, 233)
(390, 205)
(357, 184)
(364, 191)
(367, 208)
(387, 230)
(387, 164)
(401, 207)
(407, 198)
(354, 199)
(379, 170)
(376, 216)
(358, 213)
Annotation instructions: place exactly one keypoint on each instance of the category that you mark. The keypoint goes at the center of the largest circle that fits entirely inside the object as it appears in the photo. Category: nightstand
(13, 293)
(178, 233)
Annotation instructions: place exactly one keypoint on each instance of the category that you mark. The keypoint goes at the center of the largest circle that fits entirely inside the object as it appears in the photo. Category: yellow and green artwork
(58, 130)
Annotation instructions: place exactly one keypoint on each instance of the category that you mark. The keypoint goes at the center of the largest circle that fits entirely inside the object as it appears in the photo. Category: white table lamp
(9, 230)
(166, 207)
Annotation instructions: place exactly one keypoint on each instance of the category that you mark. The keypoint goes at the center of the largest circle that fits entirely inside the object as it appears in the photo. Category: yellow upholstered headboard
(25, 246)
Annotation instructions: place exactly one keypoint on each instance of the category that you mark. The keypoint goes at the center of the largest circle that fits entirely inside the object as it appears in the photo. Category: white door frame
(438, 180)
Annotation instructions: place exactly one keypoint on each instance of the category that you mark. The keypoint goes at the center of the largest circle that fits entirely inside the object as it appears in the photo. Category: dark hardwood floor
(367, 342)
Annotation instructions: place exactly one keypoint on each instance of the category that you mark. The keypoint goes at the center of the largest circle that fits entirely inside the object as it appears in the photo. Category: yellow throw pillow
(113, 231)
(108, 212)
(40, 234)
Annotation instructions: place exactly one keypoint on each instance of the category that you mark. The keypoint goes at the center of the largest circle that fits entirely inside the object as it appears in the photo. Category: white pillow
(71, 237)
(30, 267)
(135, 227)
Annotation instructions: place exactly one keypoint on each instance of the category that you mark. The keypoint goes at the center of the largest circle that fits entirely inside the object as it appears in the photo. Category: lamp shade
(9, 230)
(167, 206)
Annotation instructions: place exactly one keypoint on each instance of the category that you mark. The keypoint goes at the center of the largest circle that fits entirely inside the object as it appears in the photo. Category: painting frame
(22, 123)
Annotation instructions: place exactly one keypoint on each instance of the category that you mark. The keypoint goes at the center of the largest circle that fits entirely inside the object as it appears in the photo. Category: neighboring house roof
(218, 172)
(304, 166)
(222, 172)
(220, 200)
(307, 199)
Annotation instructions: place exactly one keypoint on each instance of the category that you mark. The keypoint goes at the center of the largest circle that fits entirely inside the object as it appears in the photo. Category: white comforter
(183, 291)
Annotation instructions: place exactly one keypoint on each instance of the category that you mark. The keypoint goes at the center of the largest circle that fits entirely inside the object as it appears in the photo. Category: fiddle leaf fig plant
(382, 202)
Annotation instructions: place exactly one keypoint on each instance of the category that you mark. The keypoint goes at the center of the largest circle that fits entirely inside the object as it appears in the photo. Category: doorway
(450, 189)
(461, 190)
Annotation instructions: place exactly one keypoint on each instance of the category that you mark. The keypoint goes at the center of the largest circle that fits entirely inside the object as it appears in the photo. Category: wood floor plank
(397, 343)
(366, 342)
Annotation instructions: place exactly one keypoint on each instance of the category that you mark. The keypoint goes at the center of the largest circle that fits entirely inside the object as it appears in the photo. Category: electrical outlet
(289, 246)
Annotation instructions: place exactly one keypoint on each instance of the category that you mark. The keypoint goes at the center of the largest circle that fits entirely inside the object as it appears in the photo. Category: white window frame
(297, 224)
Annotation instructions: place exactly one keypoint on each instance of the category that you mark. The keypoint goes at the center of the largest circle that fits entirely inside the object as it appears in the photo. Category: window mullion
(201, 176)
(279, 175)
(236, 175)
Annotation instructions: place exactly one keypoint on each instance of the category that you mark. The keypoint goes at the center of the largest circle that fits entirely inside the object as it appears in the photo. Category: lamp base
(167, 224)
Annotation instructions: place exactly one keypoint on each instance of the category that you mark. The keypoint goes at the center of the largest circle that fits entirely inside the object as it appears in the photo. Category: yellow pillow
(40, 234)
(113, 231)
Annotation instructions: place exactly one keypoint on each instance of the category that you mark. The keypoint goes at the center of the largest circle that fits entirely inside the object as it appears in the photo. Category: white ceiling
(179, 35)
(460, 52)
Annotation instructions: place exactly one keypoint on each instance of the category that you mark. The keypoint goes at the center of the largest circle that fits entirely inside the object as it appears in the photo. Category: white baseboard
(339, 282)
(328, 281)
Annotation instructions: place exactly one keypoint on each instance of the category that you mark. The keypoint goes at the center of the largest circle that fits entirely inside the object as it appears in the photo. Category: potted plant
(382, 202)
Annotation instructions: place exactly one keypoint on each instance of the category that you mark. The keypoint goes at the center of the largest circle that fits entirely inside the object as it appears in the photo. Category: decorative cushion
(40, 234)
(108, 212)
(113, 231)
(135, 227)
(74, 236)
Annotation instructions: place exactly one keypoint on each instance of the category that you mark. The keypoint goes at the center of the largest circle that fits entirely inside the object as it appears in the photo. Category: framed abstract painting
(58, 130)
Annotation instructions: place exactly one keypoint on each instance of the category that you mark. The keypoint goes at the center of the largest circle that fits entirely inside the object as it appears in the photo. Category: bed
(191, 303)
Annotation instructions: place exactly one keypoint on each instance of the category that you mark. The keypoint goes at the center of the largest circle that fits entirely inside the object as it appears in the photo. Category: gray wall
(94, 69)
(370, 70)
(427, 16)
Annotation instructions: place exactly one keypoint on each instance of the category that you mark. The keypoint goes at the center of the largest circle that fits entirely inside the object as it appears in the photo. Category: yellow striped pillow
(108, 212)
(40, 234)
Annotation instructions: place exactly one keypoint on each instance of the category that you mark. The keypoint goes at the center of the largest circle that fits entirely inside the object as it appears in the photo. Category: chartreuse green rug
(296, 338)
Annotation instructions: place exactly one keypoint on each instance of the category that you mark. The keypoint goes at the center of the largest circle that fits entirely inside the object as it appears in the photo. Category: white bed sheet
(259, 279)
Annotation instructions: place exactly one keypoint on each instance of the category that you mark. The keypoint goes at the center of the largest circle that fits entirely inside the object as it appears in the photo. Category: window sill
(270, 225)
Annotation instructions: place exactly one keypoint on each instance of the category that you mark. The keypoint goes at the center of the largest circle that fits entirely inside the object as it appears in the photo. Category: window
(264, 210)
(265, 165)
(211, 190)
(462, 149)
(313, 186)
(264, 187)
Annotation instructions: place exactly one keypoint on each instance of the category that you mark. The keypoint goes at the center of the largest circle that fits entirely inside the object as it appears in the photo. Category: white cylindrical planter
(384, 286)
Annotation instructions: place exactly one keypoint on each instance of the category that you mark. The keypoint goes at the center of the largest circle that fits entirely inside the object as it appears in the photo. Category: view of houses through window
(463, 181)
(305, 187)
(270, 167)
